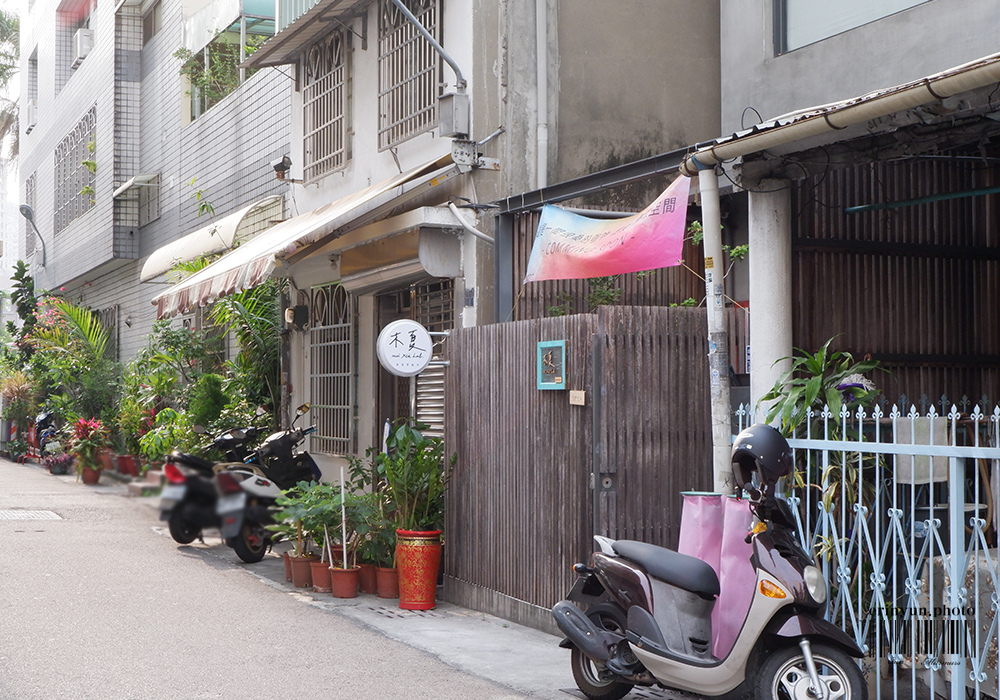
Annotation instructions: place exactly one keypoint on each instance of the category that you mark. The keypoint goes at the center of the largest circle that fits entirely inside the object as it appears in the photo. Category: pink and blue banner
(570, 246)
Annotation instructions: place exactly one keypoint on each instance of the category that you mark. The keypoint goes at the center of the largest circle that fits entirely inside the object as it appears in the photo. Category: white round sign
(404, 348)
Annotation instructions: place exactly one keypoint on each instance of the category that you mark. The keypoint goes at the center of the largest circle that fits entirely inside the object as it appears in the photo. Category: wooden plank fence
(520, 506)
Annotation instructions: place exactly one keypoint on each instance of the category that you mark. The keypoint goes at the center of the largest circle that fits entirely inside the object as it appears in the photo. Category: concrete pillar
(770, 238)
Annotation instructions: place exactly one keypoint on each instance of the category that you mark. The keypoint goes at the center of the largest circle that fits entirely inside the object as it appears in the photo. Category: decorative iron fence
(900, 509)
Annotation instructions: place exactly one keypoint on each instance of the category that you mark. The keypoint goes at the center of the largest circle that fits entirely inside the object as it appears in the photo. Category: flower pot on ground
(128, 465)
(88, 440)
(60, 463)
(288, 566)
(302, 570)
(320, 572)
(344, 582)
(387, 582)
(418, 558)
(366, 578)
(416, 473)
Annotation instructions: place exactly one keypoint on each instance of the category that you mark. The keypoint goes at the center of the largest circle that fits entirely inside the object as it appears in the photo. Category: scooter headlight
(815, 584)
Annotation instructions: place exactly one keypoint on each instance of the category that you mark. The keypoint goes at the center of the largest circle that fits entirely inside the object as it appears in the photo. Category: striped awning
(253, 261)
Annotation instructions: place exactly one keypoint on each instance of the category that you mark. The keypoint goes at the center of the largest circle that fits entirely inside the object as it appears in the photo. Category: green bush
(206, 400)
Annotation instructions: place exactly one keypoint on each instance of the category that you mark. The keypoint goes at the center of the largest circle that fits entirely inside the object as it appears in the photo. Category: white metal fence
(900, 510)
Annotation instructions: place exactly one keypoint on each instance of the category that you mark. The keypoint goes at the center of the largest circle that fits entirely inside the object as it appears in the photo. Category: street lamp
(28, 214)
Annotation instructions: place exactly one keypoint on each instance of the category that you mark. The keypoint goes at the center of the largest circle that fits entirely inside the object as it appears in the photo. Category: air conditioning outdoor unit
(30, 116)
(83, 42)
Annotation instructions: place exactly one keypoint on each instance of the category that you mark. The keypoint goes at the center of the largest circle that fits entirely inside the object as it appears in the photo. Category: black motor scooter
(649, 616)
(189, 497)
(248, 492)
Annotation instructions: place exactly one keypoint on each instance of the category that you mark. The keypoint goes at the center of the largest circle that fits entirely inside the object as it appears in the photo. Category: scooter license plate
(171, 495)
(230, 511)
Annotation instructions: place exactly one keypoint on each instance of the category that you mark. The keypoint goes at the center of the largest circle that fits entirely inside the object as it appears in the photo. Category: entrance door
(431, 303)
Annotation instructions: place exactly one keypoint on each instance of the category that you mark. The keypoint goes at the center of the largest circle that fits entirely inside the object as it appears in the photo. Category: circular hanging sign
(404, 348)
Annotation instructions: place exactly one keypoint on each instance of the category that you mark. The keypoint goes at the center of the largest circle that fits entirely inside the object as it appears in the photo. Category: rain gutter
(819, 120)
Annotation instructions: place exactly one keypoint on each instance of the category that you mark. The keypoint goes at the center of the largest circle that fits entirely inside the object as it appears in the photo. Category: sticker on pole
(404, 348)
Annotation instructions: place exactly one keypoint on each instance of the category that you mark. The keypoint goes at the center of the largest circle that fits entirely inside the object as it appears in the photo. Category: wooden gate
(521, 507)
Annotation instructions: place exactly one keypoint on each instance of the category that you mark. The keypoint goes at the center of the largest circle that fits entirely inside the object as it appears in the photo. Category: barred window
(324, 101)
(149, 201)
(408, 82)
(331, 334)
(75, 172)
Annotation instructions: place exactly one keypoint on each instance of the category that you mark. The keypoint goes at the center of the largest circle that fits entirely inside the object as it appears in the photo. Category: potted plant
(415, 475)
(89, 439)
(296, 510)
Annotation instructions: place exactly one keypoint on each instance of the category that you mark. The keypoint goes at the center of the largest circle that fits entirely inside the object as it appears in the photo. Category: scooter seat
(677, 569)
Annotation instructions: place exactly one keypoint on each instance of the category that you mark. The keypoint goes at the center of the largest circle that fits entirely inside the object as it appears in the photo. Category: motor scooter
(649, 616)
(189, 496)
(247, 492)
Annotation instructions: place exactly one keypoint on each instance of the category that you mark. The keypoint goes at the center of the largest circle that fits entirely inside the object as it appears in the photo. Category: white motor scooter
(649, 616)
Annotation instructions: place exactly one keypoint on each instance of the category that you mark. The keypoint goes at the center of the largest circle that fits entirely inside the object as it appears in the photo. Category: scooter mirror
(199, 430)
(302, 410)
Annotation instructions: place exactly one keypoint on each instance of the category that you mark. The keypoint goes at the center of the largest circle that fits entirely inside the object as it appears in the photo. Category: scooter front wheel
(593, 679)
(783, 676)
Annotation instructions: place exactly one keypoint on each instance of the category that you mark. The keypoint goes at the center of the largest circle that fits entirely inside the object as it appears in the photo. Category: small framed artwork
(552, 364)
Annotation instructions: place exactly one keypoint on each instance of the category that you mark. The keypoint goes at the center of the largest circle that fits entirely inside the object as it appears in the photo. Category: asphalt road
(99, 603)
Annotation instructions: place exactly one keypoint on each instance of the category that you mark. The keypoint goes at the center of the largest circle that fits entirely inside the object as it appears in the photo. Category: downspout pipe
(718, 339)
(460, 82)
(968, 76)
(542, 96)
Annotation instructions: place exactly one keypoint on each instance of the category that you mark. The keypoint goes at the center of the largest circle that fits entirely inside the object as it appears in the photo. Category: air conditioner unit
(83, 42)
(30, 116)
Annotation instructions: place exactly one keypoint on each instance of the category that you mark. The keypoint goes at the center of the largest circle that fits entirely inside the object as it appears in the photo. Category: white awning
(252, 262)
(216, 237)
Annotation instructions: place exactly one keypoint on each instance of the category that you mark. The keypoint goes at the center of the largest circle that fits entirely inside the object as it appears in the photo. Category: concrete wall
(906, 46)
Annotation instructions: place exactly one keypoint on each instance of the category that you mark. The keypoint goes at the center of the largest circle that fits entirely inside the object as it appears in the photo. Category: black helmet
(761, 448)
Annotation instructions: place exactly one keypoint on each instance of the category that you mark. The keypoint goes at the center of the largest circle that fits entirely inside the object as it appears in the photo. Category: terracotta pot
(320, 571)
(344, 582)
(128, 465)
(301, 571)
(418, 557)
(288, 567)
(387, 582)
(367, 578)
(107, 459)
(90, 476)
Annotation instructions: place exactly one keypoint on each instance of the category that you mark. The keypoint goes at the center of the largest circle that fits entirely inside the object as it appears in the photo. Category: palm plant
(10, 56)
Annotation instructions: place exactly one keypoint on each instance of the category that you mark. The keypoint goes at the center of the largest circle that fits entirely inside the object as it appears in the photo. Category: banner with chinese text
(570, 246)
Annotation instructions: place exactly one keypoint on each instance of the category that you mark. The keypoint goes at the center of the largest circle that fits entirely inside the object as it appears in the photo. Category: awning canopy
(291, 240)
(285, 46)
(216, 237)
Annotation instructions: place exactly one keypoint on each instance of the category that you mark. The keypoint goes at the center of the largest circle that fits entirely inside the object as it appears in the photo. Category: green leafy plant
(170, 432)
(826, 377)
(564, 307)
(214, 72)
(415, 473)
(603, 292)
(207, 399)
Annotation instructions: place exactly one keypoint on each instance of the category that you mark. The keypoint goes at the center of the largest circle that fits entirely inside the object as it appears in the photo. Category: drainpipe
(542, 97)
(718, 341)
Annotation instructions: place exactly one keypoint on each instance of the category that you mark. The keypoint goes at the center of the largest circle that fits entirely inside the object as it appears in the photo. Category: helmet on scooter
(763, 449)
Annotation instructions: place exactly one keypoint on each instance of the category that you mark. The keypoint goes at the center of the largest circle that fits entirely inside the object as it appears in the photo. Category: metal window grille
(434, 306)
(108, 319)
(149, 201)
(331, 337)
(408, 71)
(74, 180)
(30, 238)
(324, 99)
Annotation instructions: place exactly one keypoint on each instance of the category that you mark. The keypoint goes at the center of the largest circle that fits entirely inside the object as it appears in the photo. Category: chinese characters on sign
(552, 364)
(404, 348)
